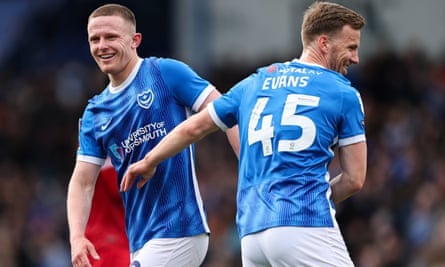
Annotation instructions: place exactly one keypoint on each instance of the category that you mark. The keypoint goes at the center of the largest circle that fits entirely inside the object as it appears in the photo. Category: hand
(140, 168)
(80, 250)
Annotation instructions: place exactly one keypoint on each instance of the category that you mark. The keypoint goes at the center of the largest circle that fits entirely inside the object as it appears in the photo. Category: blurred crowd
(397, 220)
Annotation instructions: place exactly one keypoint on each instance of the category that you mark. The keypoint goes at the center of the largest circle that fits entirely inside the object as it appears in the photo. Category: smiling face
(113, 42)
(330, 34)
(343, 49)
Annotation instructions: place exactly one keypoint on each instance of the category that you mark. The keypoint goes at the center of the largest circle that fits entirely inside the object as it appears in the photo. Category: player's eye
(94, 40)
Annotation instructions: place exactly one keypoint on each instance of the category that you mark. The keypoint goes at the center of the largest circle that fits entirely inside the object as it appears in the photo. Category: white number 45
(265, 133)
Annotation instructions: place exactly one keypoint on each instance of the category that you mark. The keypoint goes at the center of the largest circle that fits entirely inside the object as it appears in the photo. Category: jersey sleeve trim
(202, 97)
(351, 140)
(91, 159)
(215, 118)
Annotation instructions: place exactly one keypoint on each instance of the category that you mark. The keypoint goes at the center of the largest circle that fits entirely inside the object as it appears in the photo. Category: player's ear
(323, 43)
(137, 39)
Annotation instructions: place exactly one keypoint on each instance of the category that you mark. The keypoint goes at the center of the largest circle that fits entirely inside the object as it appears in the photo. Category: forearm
(78, 209)
(342, 188)
(79, 197)
(233, 137)
(351, 179)
(190, 131)
(186, 133)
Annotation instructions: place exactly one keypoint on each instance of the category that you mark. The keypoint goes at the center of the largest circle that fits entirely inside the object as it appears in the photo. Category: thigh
(172, 252)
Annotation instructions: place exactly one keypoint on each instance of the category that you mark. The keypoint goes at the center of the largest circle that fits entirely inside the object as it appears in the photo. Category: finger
(142, 182)
(82, 262)
(127, 180)
(123, 186)
(94, 253)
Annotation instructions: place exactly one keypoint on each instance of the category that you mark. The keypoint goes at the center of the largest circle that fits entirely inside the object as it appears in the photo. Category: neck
(313, 56)
(117, 79)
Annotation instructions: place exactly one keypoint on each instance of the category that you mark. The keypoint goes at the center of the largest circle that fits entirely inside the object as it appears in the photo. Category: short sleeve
(225, 109)
(186, 85)
(353, 120)
(89, 149)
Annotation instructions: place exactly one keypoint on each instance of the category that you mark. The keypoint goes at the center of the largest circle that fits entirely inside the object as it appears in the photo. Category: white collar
(307, 63)
(120, 87)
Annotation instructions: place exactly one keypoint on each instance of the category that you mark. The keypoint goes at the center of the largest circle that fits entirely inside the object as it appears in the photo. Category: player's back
(291, 115)
(294, 116)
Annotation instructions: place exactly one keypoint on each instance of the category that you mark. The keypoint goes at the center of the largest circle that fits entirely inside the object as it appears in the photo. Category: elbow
(194, 132)
(356, 187)
(357, 184)
(197, 126)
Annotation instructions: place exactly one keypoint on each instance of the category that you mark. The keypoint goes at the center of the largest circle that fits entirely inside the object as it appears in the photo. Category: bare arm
(189, 131)
(233, 137)
(353, 160)
(232, 133)
(79, 198)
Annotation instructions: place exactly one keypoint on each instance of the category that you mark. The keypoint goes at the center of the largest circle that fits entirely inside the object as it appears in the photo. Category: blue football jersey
(126, 122)
(290, 115)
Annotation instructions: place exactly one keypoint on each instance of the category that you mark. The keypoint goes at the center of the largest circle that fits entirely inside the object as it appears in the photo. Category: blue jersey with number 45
(290, 115)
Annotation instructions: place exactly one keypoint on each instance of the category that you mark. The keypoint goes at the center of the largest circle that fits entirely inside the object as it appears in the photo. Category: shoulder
(270, 69)
(338, 81)
(345, 87)
(172, 69)
(260, 73)
(98, 98)
(169, 64)
(163, 63)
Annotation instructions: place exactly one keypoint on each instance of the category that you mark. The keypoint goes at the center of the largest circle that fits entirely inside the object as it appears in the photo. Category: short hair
(114, 10)
(328, 18)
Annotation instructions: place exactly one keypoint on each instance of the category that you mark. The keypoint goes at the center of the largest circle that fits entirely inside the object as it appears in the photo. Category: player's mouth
(106, 57)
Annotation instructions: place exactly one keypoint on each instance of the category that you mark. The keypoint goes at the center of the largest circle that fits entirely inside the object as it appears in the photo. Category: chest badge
(145, 99)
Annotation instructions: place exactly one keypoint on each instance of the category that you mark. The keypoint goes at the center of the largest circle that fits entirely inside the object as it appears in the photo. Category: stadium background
(47, 74)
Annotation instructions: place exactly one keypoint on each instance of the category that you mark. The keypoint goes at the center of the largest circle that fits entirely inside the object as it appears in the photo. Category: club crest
(145, 99)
